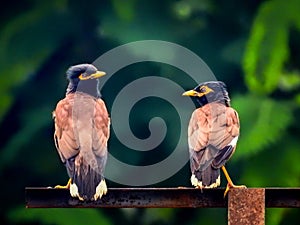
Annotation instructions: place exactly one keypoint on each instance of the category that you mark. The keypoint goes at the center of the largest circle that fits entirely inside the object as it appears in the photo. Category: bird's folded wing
(101, 129)
(65, 140)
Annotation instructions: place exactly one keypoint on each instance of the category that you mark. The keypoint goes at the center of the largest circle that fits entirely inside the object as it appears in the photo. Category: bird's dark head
(82, 72)
(211, 91)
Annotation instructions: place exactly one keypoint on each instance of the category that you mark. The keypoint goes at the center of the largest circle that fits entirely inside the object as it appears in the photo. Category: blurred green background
(253, 46)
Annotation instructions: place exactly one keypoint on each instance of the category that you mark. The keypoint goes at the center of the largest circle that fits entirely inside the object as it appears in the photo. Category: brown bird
(81, 133)
(213, 133)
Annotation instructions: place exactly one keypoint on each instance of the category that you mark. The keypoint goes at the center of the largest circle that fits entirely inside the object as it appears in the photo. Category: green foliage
(59, 216)
(125, 11)
(276, 166)
(267, 49)
(268, 120)
(35, 120)
(274, 216)
(26, 42)
(159, 216)
(259, 116)
(297, 99)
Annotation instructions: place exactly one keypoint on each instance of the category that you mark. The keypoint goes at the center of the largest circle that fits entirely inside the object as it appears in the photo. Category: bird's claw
(61, 187)
(101, 190)
(67, 186)
(230, 186)
(74, 192)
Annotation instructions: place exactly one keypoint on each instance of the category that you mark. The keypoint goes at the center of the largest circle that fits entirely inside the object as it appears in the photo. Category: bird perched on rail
(81, 133)
(213, 133)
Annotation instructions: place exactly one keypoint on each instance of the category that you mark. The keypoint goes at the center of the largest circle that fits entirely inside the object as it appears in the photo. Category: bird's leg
(229, 182)
(67, 186)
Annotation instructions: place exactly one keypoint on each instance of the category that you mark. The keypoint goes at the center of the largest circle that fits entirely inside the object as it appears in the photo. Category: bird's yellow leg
(67, 186)
(229, 182)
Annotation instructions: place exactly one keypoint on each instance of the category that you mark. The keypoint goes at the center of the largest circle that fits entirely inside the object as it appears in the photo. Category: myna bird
(81, 133)
(213, 133)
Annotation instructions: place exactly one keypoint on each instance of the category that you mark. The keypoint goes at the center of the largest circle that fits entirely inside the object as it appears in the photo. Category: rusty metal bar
(155, 198)
(129, 198)
(283, 197)
(246, 206)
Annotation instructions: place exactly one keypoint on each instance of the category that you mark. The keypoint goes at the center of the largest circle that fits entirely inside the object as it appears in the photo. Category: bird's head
(211, 91)
(82, 72)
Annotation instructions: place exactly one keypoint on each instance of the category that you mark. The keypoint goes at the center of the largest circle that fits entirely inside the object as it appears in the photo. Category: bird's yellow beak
(190, 93)
(97, 75)
(92, 76)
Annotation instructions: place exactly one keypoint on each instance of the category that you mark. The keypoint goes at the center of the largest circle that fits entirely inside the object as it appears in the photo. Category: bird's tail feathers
(207, 178)
(86, 180)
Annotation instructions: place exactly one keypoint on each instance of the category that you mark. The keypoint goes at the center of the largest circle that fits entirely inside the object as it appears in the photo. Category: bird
(213, 133)
(82, 129)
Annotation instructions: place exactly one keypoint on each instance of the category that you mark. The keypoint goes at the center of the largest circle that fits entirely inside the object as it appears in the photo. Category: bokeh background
(253, 46)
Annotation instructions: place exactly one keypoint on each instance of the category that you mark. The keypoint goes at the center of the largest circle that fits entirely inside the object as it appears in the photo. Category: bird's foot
(195, 182)
(101, 190)
(74, 192)
(73, 189)
(67, 186)
(230, 186)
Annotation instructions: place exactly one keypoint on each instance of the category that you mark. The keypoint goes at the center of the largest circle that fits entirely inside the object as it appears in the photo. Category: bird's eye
(203, 89)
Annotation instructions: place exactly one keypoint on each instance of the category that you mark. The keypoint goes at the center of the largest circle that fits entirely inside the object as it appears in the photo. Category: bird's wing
(64, 137)
(211, 130)
(226, 145)
(101, 132)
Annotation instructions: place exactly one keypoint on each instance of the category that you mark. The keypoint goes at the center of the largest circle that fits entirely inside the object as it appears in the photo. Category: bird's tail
(86, 180)
(207, 178)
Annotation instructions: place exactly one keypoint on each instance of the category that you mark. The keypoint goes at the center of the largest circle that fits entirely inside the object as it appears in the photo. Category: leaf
(59, 216)
(263, 120)
(290, 81)
(267, 49)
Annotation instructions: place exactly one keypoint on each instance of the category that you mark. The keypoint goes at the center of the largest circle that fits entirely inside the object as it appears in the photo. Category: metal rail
(157, 198)
(244, 206)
